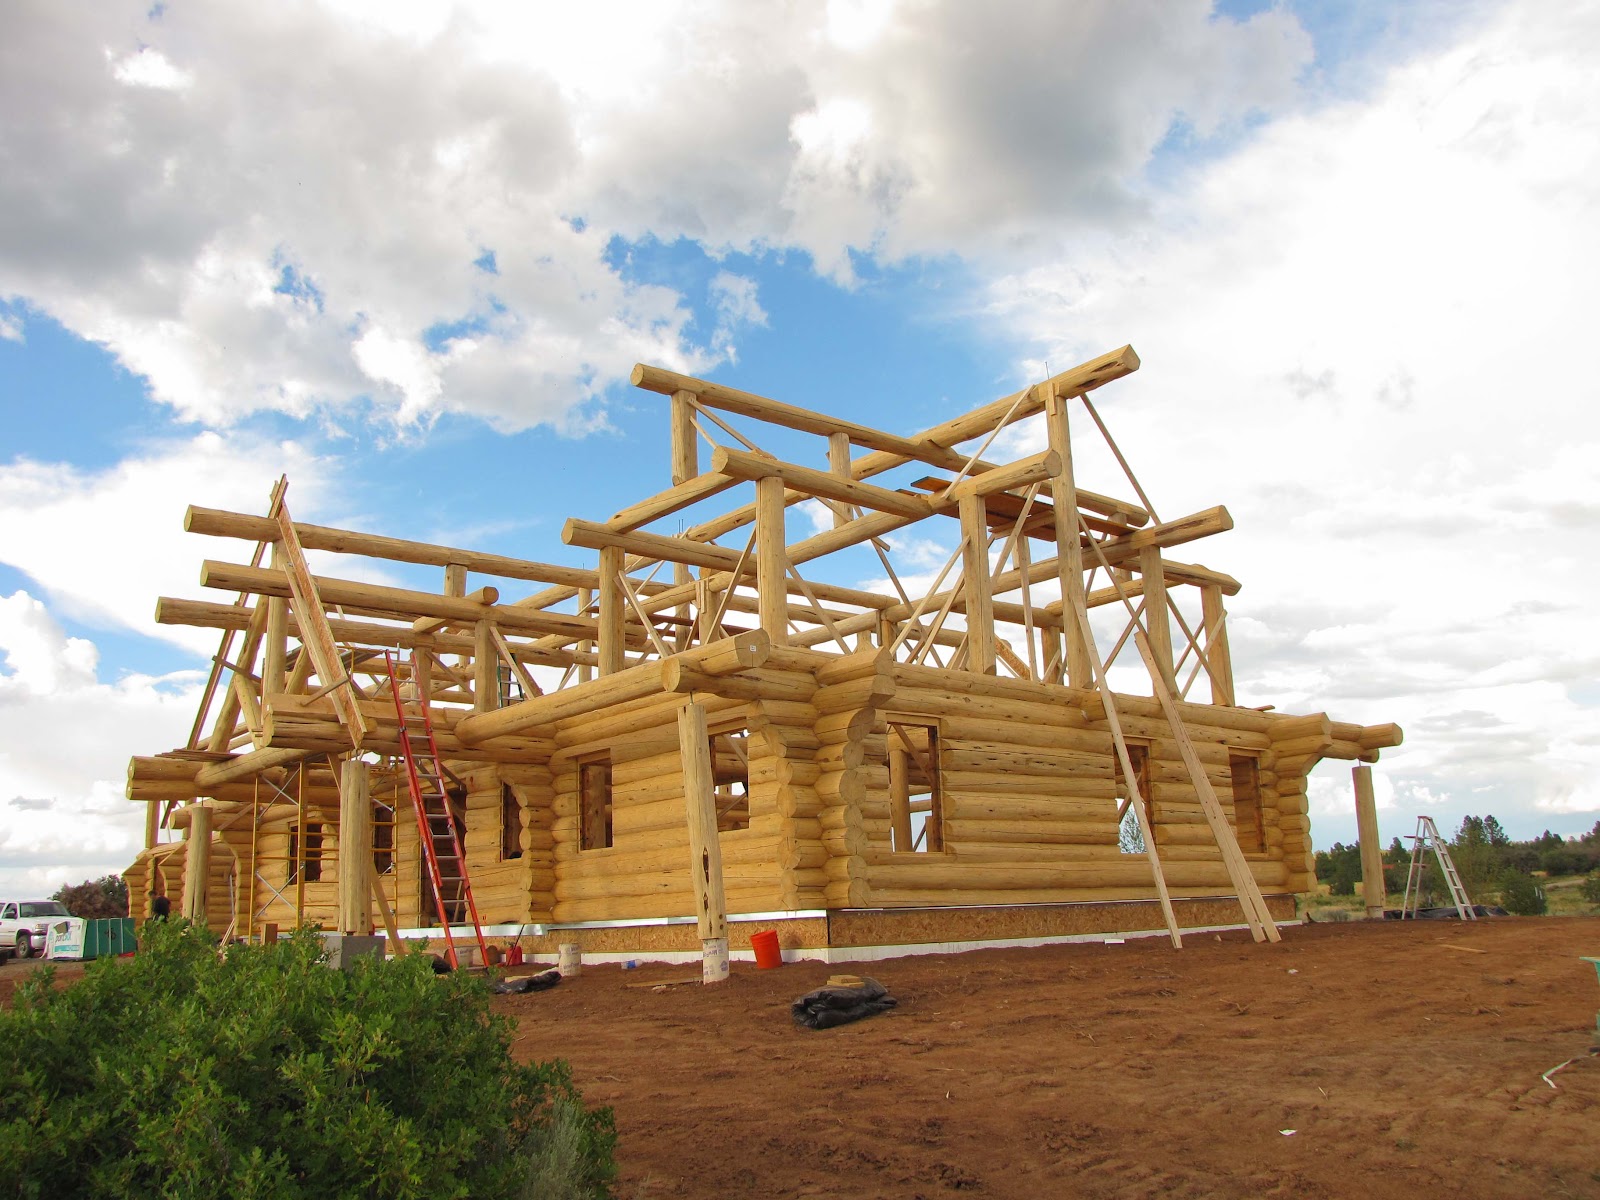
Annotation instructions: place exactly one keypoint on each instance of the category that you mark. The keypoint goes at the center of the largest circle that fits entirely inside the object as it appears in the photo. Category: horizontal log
(395, 602)
(220, 523)
(750, 685)
(674, 499)
(738, 464)
(1380, 737)
(631, 683)
(1054, 810)
(963, 834)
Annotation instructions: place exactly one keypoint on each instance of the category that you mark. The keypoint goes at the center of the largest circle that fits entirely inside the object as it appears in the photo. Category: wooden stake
(1129, 776)
(1256, 915)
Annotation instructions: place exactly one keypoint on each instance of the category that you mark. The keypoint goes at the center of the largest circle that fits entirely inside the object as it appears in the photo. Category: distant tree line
(1488, 861)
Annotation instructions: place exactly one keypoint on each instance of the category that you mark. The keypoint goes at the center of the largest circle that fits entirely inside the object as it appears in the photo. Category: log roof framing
(735, 604)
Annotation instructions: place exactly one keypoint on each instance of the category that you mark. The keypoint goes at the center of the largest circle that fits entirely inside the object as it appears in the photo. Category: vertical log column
(276, 650)
(1158, 622)
(485, 668)
(585, 602)
(975, 585)
(705, 850)
(612, 658)
(899, 793)
(1069, 549)
(839, 464)
(685, 466)
(772, 561)
(355, 847)
(197, 866)
(1215, 619)
(1372, 887)
(152, 823)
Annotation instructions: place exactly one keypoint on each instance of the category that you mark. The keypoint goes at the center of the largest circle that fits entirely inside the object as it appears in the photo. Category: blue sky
(1353, 244)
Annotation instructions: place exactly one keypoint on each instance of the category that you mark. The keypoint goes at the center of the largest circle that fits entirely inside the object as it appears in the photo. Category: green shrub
(1590, 888)
(266, 1074)
(1521, 896)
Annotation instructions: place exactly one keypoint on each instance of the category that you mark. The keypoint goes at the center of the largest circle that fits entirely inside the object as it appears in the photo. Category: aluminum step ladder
(438, 831)
(1427, 835)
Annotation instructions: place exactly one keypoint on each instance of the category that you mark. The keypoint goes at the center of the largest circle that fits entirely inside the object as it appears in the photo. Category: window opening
(1247, 823)
(510, 824)
(382, 837)
(916, 800)
(730, 776)
(313, 854)
(1130, 838)
(594, 806)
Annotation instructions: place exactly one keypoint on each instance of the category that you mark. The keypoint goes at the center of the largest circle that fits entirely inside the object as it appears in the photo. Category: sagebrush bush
(1522, 896)
(268, 1075)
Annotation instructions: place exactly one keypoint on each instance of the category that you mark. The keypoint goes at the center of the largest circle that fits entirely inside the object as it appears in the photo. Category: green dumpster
(108, 937)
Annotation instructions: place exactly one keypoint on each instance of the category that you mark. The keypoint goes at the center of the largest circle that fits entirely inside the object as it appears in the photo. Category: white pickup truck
(24, 924)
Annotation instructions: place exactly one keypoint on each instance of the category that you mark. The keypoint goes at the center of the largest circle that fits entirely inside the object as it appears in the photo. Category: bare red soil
(1364, 1060)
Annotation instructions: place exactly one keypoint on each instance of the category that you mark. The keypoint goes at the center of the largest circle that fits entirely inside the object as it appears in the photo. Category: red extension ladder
(437, 829)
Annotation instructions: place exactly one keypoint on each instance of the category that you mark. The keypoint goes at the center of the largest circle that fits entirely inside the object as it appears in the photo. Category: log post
(900, 796)
(152, 823)
(612, 613)
(975, 583)
(585, 600)
(1158, 622)
(1214, 617)
(485, 668)
(1069, 550)
(685, 466)
(705, 849)
(197, 866)
(685, 447)
(1372, 887)
(772, 563)
(839, 464)
(355, 847)
(276, 649)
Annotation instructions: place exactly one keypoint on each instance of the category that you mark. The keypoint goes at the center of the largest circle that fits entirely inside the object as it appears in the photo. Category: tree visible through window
(1130, 838)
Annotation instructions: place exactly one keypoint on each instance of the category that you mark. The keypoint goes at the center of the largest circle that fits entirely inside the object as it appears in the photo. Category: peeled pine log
(1067, 854)
(632, 683)
(868, 691)
(975, 732)
(972, 834)
(1035, 763)
(982, 786)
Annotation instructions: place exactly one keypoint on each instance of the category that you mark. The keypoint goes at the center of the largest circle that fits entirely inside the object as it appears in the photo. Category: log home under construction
(701, 733)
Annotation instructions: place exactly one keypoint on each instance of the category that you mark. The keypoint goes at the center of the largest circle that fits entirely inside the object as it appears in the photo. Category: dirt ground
(1351, 1060)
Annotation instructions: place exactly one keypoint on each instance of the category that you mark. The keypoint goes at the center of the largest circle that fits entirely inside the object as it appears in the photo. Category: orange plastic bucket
(766, 947)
